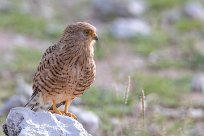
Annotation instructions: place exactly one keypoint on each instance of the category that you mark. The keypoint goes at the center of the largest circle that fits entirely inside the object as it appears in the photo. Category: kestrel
(66, 69)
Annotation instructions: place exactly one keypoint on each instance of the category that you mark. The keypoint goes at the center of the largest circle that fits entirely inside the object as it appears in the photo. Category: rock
(5, 5)
(23, 88)
(198, 83)
(197, 130)
(196, 113)
(136, 8)
(171, 16)
(77, 101)
(89, 120)
(128, 27)
(14, 101)
(107, 9)
(172, 113)
(24, 122)
(195, 10)
(43, 8)
(23, 93)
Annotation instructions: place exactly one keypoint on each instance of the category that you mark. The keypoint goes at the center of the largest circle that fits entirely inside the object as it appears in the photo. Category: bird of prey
(66, 69)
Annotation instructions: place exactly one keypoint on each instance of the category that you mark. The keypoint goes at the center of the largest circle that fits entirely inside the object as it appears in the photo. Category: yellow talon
(55, 110)
(66, 113)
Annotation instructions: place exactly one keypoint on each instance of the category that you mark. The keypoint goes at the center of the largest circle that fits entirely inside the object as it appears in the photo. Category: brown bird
(66, 69)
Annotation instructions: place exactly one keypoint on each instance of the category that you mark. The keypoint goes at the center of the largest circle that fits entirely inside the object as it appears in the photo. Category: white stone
(89, 120)
(136, 7)
(128, 27)
(23, 88)
(5, 5)
(198, 83)
(14, 101)
(24, 122)
(195, 10)
(196, 113)
(119, 8)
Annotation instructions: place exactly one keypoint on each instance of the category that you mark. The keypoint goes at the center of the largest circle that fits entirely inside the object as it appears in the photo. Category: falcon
(66, 70)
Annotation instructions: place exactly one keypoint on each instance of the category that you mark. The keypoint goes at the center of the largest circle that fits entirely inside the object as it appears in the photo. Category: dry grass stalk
(127, 90)
(143, 106)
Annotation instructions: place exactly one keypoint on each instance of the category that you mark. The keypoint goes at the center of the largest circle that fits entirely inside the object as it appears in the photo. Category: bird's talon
(55, 111)
(69, 114)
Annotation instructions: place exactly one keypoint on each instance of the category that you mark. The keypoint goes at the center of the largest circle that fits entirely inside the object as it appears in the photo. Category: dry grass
(127, 90)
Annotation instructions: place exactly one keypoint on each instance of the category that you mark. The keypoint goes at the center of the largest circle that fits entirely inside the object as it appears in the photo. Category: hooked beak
(95, 38)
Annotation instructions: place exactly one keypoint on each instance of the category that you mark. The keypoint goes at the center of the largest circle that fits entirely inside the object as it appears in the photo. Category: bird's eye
(87, 32)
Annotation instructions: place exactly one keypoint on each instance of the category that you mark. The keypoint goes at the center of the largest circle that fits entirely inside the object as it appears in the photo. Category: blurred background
(155, 45)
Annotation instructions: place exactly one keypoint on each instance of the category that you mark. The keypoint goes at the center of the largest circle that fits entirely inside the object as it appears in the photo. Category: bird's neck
(75, 50)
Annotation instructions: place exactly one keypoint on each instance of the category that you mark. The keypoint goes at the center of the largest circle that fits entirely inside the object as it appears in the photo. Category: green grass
(169, 90)
(2, 120)
(26, 24)
(160, 5)
(103, 97)
(26, 60)
(106, 104)
(193, 57)
(167, 64)
(105, 45)
(187, 24)
(146, 45)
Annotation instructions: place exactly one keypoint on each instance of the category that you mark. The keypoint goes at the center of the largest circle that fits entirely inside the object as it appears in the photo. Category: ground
(163, 64)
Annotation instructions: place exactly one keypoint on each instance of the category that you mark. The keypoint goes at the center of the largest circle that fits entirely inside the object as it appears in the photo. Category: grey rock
(120, 8)
(14, 101)
(77, 101)
(171, 16)
(43, 8)
(128, 27)
(23, 88)
(196, 113)
(24, 122)
(171, 112)
(5, 5)
(23, 93)
(89, 120)
(136, 7)
(198, 83)
(195, 10)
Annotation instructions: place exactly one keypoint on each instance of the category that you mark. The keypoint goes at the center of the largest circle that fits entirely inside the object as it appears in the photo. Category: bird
(66, 70)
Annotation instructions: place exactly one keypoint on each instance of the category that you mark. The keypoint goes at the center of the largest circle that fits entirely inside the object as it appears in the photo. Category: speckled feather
(66, 69)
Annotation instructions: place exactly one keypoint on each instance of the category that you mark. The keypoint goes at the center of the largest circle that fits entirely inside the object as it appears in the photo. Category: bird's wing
(45, 63)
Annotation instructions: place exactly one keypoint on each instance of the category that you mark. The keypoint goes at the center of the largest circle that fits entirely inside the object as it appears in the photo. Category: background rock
(198, 83)
(195, 10)
(23, 93)
(128, 27)
(24, 122)
(5, 5)
(14, 101)
(121, 8)
(23, 88)
(89, 120)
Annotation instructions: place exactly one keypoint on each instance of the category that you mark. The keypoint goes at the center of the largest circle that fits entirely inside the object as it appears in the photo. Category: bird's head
(81, 31)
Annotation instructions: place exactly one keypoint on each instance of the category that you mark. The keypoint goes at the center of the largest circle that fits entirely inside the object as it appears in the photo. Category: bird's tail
(36, 103)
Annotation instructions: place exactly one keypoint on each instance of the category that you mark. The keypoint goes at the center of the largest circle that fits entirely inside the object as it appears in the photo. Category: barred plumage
(66, 69)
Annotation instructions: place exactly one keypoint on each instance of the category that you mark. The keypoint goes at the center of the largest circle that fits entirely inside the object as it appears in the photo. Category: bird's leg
(66, 110)
(55, 110)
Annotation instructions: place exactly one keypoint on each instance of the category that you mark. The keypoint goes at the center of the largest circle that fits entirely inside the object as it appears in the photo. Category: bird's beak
(95, 37)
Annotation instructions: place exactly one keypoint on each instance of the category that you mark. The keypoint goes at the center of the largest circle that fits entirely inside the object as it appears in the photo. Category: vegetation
(170, 47)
